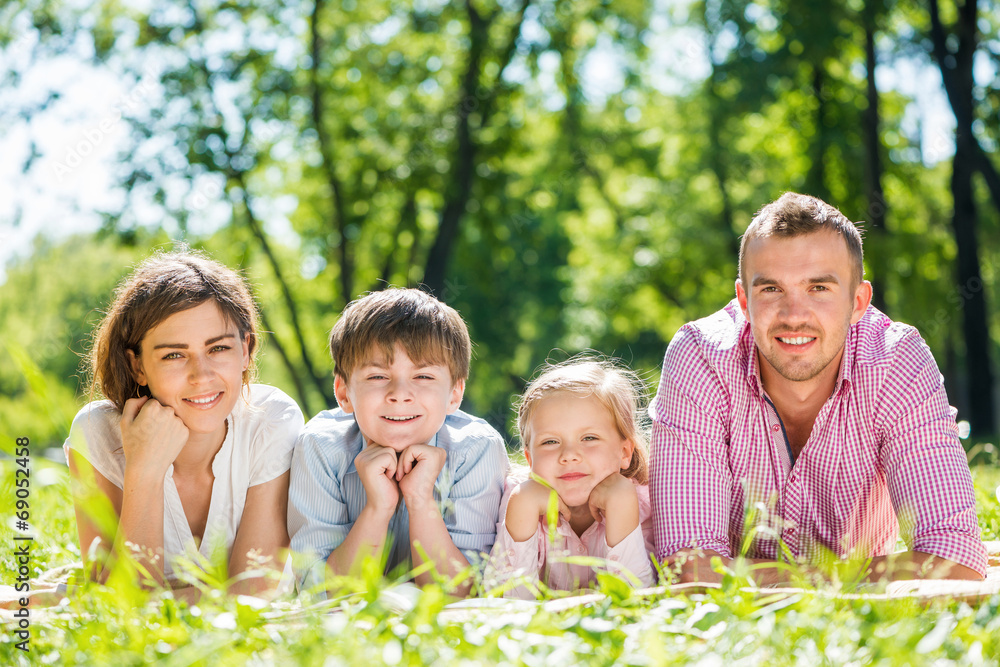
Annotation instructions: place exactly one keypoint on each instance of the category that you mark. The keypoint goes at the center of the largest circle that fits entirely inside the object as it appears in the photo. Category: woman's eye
(221, 348)
(172, 355)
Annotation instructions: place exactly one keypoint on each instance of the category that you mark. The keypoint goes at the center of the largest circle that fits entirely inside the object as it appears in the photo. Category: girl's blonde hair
(612, 383)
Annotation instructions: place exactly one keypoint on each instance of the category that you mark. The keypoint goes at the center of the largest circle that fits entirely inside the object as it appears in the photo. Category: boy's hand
(614, 499)
(416, 472)
(152, 436)
(376, 467)
(529, 501)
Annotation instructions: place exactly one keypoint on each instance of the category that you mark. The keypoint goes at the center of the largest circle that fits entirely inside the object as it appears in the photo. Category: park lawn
(382, 622)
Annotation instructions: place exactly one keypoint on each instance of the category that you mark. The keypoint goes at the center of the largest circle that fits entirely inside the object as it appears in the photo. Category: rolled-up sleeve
(318, 518)
(273, 442)
(630, 557)
(926, 468)
(471, 504)
(690, 479)
(510, 560)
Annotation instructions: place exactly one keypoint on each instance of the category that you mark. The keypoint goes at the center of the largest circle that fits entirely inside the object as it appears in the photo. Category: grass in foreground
(380, 622)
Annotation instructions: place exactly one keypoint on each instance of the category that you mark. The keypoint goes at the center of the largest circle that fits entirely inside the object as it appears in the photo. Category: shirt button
(581, 549)
(775, 428)
(613, 558)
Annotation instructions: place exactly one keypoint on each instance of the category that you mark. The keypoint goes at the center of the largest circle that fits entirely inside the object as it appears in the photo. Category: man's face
(399, 403)
(800, 301)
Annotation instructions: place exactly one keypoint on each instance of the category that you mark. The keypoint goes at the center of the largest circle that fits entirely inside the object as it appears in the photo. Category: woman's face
(193, 362)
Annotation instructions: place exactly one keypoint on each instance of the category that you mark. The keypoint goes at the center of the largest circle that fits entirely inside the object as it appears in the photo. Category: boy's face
(399, 403)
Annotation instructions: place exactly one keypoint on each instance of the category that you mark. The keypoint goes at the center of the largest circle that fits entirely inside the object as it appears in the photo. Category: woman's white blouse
(258, 448)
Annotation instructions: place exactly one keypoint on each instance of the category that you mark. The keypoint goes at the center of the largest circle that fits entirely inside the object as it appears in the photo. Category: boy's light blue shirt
(325, 494)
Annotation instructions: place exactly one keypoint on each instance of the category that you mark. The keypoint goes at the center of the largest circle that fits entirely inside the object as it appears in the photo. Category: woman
(190, 454)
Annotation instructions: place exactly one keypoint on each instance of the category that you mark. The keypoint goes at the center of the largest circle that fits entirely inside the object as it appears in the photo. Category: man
(799, 422)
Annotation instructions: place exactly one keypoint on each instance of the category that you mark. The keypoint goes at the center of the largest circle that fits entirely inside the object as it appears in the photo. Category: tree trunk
(340, 219)
(873, 170)
(462, 173)
(816, 178)
(956, 72)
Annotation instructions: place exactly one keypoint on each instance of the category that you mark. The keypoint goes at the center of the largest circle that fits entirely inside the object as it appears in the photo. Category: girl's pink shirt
(540, 559)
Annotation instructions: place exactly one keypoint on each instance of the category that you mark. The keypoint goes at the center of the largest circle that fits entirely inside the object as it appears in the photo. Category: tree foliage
(567, 175)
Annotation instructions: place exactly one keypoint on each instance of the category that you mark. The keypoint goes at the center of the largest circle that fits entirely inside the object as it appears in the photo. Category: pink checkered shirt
(883, 455)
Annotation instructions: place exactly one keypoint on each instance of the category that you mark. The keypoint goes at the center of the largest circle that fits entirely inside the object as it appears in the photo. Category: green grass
(379, 622)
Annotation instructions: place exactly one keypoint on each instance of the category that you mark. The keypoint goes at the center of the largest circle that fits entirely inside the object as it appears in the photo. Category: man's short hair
(794, 214)
(429, 331)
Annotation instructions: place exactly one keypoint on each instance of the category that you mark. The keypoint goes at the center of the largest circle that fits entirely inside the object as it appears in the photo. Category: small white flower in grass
(225, 621)
(49, 476)
(392, 652)
(334, 623)
(251, 601)
(934, 639)
(597, 625)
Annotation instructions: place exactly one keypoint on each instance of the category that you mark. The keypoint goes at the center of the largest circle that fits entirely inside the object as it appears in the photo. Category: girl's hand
(614, 499)
(152, 436)
(529, 501)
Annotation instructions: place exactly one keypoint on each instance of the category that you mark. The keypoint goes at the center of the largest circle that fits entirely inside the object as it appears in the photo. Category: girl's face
(575, 445)
(193, 361)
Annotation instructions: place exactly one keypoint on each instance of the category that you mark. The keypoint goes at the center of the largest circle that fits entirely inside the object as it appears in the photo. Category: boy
(397, 466)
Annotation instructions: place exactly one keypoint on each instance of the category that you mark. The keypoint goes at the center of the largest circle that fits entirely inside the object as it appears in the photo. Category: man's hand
(614, 499)
(376, 466)
(529, 501)
(152, 436)
(416, 472)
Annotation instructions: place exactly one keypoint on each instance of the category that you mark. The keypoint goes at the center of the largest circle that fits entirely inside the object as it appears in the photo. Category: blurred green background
(568, 175)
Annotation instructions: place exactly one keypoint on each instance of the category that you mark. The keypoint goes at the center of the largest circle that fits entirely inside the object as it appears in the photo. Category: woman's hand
(614, 499)
(152, 436)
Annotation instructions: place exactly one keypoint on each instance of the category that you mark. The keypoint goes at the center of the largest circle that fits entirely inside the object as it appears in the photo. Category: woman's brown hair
(160, 286)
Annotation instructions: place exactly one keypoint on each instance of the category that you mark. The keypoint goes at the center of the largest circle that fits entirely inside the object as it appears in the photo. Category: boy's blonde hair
(429, 331)
(616, 386)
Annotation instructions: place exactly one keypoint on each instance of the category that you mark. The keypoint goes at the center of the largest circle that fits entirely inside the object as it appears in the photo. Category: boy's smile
(398, 402)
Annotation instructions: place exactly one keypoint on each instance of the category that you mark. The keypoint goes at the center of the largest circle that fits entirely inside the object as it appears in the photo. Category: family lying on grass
(798, 424)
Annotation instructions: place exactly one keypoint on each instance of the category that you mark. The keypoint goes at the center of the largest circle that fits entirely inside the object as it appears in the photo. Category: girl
(190, 455)
(578, 423)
